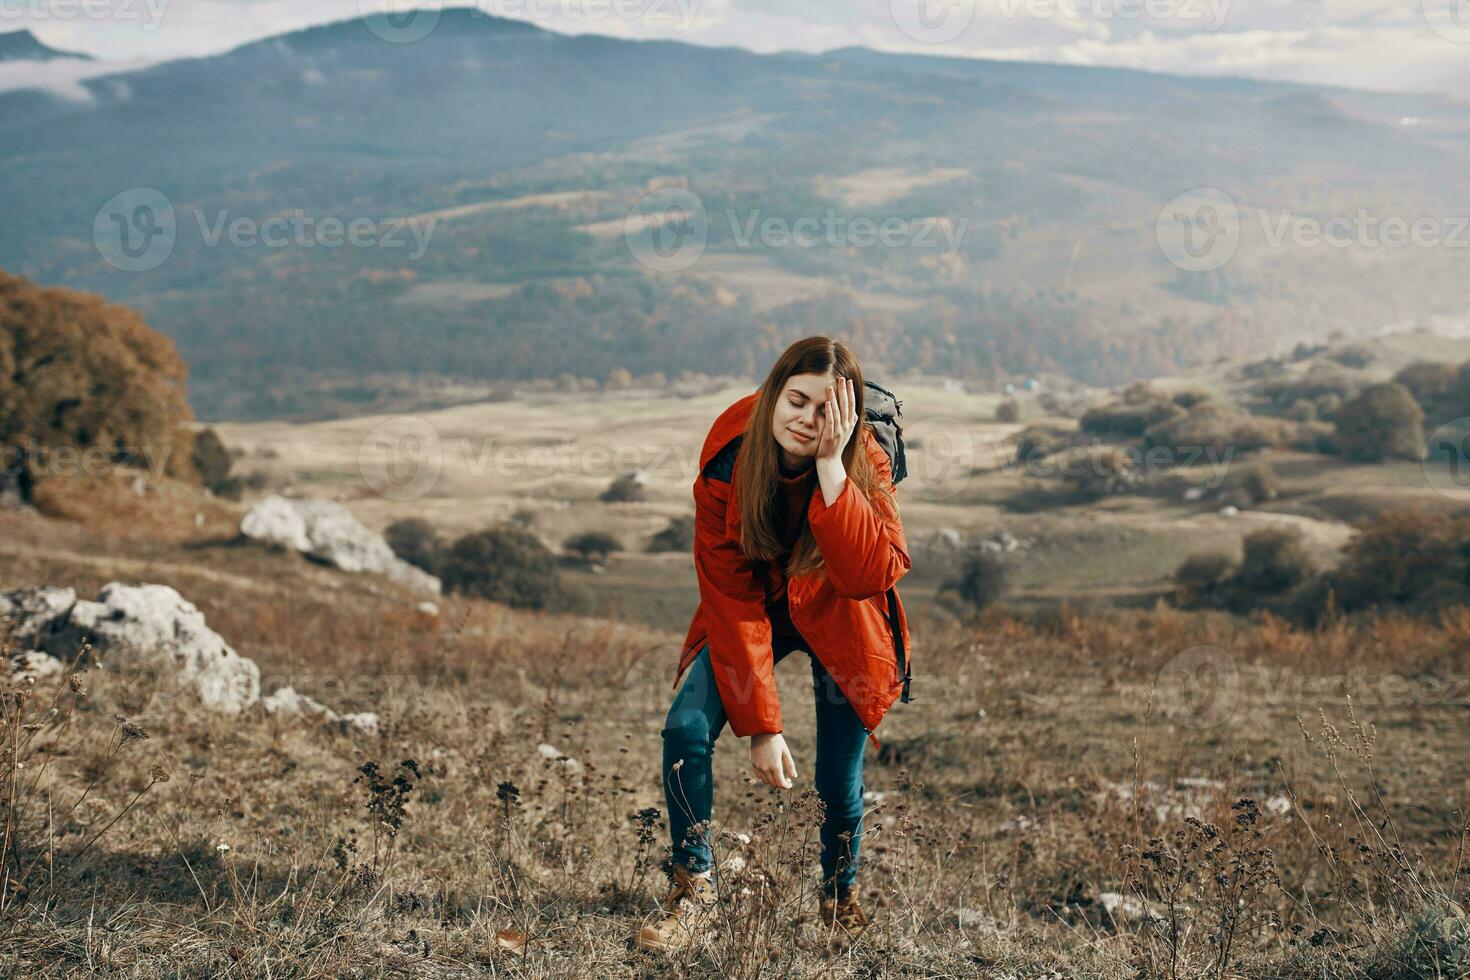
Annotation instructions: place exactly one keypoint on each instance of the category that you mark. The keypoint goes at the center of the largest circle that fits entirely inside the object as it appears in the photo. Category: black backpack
(882, 409)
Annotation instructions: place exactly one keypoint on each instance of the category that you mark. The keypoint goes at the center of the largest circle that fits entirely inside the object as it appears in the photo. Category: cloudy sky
(1403, 45)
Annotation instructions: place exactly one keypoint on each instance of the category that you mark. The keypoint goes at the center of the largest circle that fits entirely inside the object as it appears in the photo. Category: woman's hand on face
(772, 761)
(838, 420)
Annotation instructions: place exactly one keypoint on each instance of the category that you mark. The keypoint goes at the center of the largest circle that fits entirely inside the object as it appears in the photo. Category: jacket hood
(731, 423)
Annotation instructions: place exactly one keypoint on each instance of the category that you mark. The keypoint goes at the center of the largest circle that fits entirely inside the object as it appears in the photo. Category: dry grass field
(1133, 793)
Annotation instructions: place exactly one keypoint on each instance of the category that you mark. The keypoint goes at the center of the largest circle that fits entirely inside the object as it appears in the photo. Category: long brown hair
(759, 456)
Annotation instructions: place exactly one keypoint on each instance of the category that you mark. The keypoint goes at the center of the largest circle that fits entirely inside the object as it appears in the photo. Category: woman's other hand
(772, 760)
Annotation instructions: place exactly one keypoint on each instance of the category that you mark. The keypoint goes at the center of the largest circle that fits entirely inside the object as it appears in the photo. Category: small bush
(213, 461)
(677, 536)
(1318, 380)
(504, 564)
(1095, 471)
(417, 542)
(1301, 410)
(1131, 417)
(982, 578)
(1353, 356)
(1037, 442)
(1275, 560)
(1381, 422)
(1008, 411)
(1260, 483)
(1221, 429)
(592, 545)
(1204, 572)
(1407, 557)
(627, 488)
(1190, 397)
(1430, 382)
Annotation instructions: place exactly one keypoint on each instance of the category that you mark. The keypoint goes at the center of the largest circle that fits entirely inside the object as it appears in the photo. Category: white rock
(364, 722)
(972, 918)
(1199, 782)
(1194, 493)
(326, 531)
(156, 620)
(553, 754)
(432, 608)
(33, 664)
(290, 703)
(37, 611)
(1229, 510)
(276, 519)
(1279, 805)
(1123, 908)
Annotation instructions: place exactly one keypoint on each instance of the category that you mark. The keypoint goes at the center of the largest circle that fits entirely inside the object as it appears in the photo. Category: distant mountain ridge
(22, 45)
(531, 147)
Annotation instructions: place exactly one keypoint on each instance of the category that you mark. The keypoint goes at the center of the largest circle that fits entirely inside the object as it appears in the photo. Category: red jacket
(843, 615)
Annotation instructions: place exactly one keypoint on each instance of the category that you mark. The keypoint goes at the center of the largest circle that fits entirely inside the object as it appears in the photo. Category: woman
(797, 545)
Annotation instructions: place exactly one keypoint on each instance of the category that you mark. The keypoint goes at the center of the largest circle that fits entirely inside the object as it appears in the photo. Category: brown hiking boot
(844, 912)
(683, 914)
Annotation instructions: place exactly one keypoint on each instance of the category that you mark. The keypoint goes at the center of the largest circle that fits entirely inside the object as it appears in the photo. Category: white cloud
(63, 77)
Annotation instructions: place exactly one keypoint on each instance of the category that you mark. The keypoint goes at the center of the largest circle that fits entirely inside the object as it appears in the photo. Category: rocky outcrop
(149, 623)
(289, 703)
(326, 531)
(150, 628)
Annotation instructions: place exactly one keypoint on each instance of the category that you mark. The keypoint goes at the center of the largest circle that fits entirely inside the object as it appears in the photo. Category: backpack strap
(898, 641)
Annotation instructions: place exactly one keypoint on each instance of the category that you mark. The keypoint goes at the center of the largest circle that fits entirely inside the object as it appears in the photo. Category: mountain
(25, 46)
(1027, 200)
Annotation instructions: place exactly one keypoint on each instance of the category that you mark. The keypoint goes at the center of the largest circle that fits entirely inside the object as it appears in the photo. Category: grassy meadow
(1088, 783)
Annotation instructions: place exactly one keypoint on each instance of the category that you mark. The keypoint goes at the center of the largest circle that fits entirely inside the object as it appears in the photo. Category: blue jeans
(695, 721)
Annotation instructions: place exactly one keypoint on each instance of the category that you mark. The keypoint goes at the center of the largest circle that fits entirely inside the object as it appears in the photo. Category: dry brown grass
(1063, 795)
